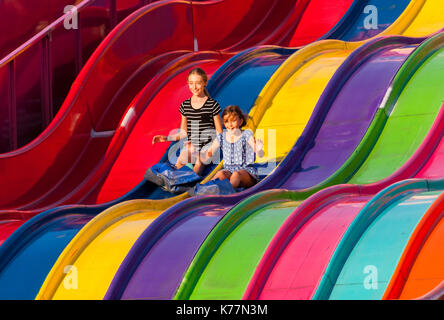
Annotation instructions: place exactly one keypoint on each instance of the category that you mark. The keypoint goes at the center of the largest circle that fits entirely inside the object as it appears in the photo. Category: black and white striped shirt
(200, 123)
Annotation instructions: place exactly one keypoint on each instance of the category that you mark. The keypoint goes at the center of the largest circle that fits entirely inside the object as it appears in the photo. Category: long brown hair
(234, 110)
(201, 72)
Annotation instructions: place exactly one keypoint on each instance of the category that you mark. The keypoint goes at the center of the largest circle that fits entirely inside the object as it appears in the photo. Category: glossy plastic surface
(428, 69)
(383, 244)
(350, 76)
(419, 269)
(366, 19)
(58, 226)
(267, 114)
(115, 220)
(254, 68)
(225, 209)
(99, 173)
(285, 289)
(25, 18)
(38, 71)
(90, 101)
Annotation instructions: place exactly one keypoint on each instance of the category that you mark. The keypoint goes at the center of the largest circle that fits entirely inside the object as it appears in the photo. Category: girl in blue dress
(238, 148)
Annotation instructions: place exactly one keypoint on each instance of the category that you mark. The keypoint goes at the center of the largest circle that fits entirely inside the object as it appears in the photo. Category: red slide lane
(111, 78)
(319, 17)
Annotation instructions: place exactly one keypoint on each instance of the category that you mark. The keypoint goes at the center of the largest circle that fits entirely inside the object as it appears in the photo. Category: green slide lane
(409, 123)
(254, 233)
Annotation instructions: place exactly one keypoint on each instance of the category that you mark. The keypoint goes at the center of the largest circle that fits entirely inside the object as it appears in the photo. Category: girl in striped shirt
(199, 123)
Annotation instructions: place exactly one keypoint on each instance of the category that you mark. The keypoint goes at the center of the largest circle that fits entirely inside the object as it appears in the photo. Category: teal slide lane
(372, 262)
(366, 258)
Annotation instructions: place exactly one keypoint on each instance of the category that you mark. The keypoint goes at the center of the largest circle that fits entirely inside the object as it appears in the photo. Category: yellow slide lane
(88, 263)
(428, 20)
(284, 105)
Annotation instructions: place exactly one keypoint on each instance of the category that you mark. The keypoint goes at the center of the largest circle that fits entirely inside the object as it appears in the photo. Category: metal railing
(42, 46)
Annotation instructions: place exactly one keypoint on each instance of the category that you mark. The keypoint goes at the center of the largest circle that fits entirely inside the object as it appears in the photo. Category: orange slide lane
(421, 267)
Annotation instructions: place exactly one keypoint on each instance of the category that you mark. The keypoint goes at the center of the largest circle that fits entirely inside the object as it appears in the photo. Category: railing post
(195, 42)
(46, 81)
(112, 14)
(12, 106)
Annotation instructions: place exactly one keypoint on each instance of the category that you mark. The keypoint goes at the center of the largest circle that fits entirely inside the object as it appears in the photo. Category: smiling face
(232, 122)
(196, 84)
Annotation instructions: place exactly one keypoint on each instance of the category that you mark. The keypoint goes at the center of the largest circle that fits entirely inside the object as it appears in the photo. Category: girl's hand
(259, 148)
(259, 145)
(159, 138)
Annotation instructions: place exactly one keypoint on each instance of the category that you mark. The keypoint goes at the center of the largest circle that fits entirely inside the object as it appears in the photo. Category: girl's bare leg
(199, 167)
(242, 179)
(190, 155)
(184, 158)
(186, 155)
(222, 175)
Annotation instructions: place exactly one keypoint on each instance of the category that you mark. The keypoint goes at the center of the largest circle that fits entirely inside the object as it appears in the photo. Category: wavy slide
(192, 207)
(267, 118)
(420, 267)
(88, 121)
(297, 245)
(195, 212)
(302, 76)
(203, 291)
(123, 209)
(64, 227)
(260, 67)
(381, 231)
(106, 194)
(409, 261)
(93, 145)
(257, 213)
(74, 226)
(256, 68)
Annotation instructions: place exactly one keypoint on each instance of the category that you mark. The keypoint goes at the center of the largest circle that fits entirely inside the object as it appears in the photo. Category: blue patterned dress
(238, 155)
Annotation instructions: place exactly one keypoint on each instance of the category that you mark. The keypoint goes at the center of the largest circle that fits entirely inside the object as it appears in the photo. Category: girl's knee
(221, 175)
(236, 175)
(235, 179)
(246, 179)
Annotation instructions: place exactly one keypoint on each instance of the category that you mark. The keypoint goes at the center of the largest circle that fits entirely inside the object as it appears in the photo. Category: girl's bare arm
(257, 146)
(218, 123)
(182, 134)
(211, 150)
